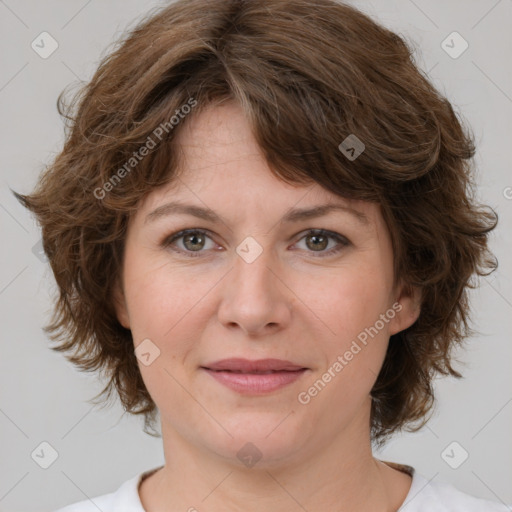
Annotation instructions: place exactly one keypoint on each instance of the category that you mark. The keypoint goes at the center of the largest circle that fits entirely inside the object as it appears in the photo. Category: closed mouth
(256, 372)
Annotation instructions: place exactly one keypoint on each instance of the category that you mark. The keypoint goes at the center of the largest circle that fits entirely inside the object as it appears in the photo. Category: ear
(407, 307)
(120, 305)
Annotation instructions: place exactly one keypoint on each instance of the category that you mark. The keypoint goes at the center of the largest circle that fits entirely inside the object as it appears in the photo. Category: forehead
(223, 168)
(216, 126)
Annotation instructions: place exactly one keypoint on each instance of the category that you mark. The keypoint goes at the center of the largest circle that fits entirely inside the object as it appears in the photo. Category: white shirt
(423, 496)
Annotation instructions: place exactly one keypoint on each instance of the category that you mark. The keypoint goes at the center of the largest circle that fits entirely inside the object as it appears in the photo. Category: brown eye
(190, 242)
(318, 240)
(194, 241)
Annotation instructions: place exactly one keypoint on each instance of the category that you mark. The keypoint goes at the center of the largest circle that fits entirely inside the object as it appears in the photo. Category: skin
(295, 301)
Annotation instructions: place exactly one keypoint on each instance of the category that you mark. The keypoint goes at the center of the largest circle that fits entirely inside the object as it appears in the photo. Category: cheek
(350, 304)
(350, 300)
(168, 306)
(160, 298)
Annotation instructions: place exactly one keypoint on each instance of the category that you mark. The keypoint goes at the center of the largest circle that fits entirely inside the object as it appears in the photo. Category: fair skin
(297, 301)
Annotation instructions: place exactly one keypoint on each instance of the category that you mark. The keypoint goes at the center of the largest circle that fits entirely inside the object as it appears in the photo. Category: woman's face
(259, 281)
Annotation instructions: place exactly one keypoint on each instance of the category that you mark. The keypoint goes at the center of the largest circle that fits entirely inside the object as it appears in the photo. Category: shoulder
(104, 503)
(428, 495)
(125, 499)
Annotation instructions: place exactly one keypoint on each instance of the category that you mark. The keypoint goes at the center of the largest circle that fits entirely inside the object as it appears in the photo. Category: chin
(259, 441)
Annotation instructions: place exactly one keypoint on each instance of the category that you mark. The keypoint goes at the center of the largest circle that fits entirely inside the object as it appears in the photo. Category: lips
(261, 366)
(259, 377)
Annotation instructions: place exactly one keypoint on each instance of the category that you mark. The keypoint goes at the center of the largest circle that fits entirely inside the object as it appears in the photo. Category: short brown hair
(307, 75)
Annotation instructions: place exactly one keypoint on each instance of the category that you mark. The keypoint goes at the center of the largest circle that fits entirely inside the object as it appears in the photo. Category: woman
(261, 229)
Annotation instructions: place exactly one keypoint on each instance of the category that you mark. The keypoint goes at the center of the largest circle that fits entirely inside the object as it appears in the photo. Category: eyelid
(342, 240)
(169, 240)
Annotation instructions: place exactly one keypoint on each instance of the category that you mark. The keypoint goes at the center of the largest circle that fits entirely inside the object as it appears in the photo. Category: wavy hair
(307, 75)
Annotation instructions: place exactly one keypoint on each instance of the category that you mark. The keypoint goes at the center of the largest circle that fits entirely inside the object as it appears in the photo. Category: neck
(342, 476)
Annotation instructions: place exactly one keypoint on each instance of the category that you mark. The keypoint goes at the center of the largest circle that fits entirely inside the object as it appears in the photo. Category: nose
(255, 297)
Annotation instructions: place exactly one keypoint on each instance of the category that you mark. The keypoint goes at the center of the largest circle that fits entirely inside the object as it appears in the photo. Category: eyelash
(342, 241)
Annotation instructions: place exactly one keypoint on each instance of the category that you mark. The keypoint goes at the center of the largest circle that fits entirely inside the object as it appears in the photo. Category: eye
(317, 240)
(192, 241)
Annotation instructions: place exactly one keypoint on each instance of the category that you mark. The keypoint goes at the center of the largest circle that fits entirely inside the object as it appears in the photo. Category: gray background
(44, 399)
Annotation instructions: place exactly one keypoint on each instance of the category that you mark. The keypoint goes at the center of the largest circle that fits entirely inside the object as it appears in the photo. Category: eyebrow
(295, 215)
